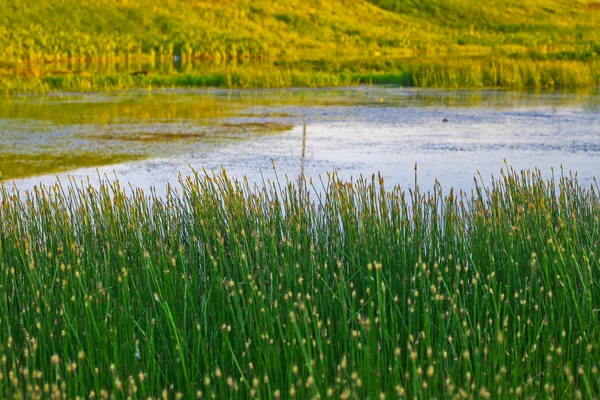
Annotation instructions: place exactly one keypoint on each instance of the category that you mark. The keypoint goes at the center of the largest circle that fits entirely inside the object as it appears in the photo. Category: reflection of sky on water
(352, 132)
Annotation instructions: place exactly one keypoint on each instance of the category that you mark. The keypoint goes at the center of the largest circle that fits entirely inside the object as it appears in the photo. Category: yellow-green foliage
(506, 73)
(101, 29)
(450, 72)
(63, 29)
(547, 25)
(536, 43)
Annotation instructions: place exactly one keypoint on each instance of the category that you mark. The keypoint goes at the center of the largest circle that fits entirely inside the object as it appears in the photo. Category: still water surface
(149, 137)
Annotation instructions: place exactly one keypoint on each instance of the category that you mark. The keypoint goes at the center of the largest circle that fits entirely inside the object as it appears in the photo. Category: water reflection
(150, 137)
(155, 66)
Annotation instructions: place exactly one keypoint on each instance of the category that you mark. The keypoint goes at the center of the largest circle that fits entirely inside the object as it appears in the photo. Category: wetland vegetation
(266, 287)
(504, 43)
(301, 289)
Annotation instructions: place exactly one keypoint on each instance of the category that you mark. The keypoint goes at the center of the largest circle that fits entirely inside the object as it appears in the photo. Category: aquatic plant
(301, 289)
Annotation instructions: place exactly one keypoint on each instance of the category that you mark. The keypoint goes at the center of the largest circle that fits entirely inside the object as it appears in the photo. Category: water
(148, 138)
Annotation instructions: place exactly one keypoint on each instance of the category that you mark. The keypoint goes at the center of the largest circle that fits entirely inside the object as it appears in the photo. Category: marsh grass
(551, 43)
(331, 289)
(437, 72)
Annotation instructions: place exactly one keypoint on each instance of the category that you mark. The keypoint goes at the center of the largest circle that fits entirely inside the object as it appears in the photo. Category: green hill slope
(540, 43)
(73, 29)
(62, 29)
(547, 25)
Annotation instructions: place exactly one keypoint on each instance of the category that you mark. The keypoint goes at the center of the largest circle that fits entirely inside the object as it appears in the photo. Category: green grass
(349, 290)
(438, 72)
(102, 30)
(543, 39)
(508, 24)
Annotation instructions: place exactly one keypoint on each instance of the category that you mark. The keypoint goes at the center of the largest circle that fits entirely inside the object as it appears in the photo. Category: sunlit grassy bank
(224, 290)
(102, 30)
(446, 72)
(541, 39)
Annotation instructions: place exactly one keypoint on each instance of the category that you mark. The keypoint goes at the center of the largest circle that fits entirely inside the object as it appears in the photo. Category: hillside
(74, 29)
(511, 25)
(58, 45)
(62, 29)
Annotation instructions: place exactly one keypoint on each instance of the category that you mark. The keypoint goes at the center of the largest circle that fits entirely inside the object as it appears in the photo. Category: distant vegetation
(438, 72)
(511, 26)
(554, 35)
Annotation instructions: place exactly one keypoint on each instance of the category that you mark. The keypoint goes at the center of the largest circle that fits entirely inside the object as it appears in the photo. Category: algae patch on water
(229, 130)
(50, 134)
(115, 144)
(174, 139)
(13, 166)
(255, 127)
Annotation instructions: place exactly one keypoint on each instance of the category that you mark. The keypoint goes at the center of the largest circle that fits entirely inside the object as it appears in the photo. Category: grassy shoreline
(480, 72)
(226, 290)
(536, 44)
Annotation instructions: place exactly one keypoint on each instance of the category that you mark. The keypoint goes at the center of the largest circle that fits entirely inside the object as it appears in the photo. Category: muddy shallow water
(147, 138)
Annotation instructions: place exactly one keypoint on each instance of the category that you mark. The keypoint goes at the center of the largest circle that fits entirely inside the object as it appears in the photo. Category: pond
(147, 138)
